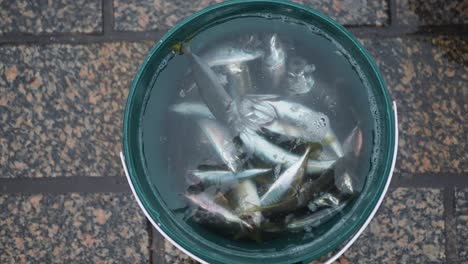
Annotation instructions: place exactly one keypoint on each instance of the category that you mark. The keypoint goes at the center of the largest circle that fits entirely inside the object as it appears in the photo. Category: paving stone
(427, 78)
(74, 228)
(432, 12)
(408, 228)
(58, 16)
(131, 15)
(61, 108)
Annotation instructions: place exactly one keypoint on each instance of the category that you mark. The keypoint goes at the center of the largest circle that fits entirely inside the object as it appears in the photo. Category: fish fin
(189, 214)
(221, 199)
(253, 209)
(263, 96)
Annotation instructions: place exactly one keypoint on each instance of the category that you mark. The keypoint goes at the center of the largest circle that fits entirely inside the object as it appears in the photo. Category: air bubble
(182, 93)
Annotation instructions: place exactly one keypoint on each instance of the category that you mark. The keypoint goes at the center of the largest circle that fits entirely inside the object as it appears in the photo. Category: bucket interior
(209, 246)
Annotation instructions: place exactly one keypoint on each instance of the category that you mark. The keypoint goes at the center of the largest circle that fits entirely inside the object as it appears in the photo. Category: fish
(232, 53)
(275, 62)
(299, 78)
(257, 144)
(344, 182)
(323, 200)
(270, 153)
(316, 219)
(347, 179)
(220, 177)
(306, 192)
(197, 109)
(222, 141)
(251, 121)
(353, 142)
(207, 203)
(246, 197)
(239, 81)
(255, 114)
(287, 182)
(218, 101)
(210, 88)
(309, 125)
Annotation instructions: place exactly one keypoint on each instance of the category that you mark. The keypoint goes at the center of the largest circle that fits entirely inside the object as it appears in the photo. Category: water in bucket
(267, 131)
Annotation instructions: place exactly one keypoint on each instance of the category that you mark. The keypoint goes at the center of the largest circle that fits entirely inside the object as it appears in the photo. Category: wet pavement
(66, 68)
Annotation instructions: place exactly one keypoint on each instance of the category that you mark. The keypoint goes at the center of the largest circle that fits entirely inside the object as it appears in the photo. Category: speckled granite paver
(36, 17)
(432, 12)
(427, 77)
(461, 214)
(73, 228)
(61, 108)
(131, 15)
(408, 228)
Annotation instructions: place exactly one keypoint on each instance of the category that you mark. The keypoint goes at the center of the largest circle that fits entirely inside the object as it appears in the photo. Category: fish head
(256, 112)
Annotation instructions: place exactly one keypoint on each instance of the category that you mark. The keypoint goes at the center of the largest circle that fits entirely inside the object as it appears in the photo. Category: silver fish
(306, 192)
(299, 77)
(239, 81)
(287, 182)
(231, 53)
(344, 182)
(310, 125)
(316, 219)
(275, 62)
(327, 154)
(246, 197)
(324, 200)
(271, 153)
(220, 177)
(353, 142)
(192, 108)
(207, 202)
(209, 86)
(222, 141)
(256, 113)
(347, 178)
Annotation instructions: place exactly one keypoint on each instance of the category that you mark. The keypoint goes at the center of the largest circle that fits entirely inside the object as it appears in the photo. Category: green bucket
(207, 248)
